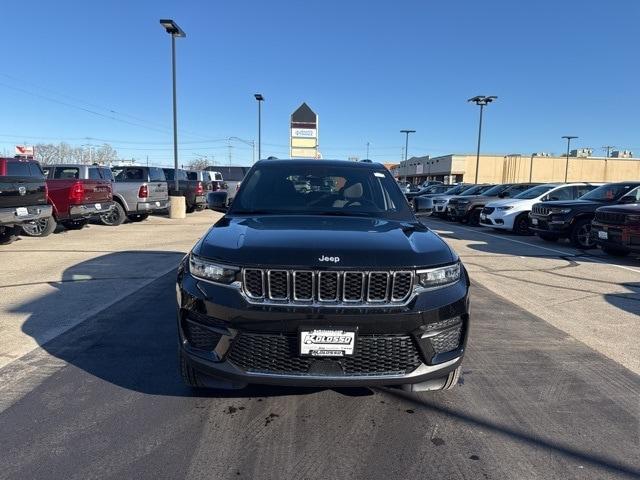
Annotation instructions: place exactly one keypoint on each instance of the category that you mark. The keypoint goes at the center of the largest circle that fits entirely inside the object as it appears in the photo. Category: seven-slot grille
(305, 286)
(540, 210)
(610, 217)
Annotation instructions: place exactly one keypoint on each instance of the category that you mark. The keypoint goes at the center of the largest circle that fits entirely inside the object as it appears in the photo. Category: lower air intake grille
(374, 355)
(200, 337)
(447, 340)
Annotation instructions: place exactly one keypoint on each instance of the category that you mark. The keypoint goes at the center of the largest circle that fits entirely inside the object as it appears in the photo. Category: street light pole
(175, 31)
(566, 166)
(260, 99)
(480, 100)
(406, 141)
(367, 150)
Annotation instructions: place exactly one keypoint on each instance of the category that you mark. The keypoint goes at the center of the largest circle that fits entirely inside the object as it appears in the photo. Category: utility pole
(566, 167)
(367, 157)
(481, 101)
(607, 148)
(406, 141)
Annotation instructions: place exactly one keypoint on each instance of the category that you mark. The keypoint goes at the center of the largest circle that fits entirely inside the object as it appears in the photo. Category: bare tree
(198, 164)
(47, 153)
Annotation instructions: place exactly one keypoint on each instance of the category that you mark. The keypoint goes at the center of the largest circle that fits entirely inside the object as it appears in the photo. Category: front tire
(581, 234)
(7, 235)
(521, 224)
(114, 217)
(474, 217)
(42, 227)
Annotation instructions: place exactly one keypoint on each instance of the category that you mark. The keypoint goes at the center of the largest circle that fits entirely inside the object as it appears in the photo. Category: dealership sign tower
(303, 141)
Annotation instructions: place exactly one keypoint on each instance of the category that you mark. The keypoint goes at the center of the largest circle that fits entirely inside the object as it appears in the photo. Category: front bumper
(90, 209)
(620, 237)
(500, 219)
(9, 216)
(549, 224)
(223, 336)
(152, 206)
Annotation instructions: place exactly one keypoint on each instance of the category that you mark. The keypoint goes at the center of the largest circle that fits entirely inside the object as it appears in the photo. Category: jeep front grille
(327, 287)
(540, 210)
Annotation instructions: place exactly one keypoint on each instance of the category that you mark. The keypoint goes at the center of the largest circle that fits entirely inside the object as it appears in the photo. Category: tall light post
(175, 31)
(260, 99)
(367, 157)
(406, 141)
(480, 100)
(566, 166)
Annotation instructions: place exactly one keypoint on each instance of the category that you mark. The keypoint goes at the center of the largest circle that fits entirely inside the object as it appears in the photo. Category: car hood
(511, 201)
(576, 203)
(629, 208)
(298, 241)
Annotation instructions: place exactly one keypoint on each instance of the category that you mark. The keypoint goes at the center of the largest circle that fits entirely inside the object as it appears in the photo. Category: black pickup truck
(319, 274)
(192, 190)
(23, 196)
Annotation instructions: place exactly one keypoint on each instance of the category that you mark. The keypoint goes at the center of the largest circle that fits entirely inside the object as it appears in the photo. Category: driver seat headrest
(353, 192)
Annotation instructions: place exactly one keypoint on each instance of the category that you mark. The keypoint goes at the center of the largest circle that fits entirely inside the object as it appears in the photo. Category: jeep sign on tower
(304, 133)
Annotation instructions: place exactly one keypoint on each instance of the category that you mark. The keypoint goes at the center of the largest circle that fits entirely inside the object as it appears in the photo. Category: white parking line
(562, 252)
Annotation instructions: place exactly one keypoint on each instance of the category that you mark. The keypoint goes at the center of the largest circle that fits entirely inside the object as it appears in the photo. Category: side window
(563, 193)
(634, 194)
(94, 174)
(133, 174)
(106, 174)
(66, 173)
(584, 189)
(18, 169)
(192, 175)
(118, 174)
(156, 175)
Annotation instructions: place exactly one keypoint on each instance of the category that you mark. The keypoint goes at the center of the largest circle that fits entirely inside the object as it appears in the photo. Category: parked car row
(588, 214)
(34, 200)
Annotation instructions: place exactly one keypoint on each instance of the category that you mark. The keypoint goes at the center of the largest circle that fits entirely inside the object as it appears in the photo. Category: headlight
(206, 270)
(438, 277)
(559, 210)
(506, 207)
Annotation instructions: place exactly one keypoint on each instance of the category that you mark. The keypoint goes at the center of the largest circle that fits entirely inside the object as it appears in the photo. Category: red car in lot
(76, 193)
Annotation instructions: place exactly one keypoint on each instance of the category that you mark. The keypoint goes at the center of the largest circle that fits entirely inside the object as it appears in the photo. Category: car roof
(328, 163)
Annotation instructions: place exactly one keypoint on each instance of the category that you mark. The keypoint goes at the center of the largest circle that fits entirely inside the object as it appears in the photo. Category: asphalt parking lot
(89, 386)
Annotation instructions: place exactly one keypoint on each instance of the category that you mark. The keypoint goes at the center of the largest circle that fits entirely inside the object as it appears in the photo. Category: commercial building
(520, 168)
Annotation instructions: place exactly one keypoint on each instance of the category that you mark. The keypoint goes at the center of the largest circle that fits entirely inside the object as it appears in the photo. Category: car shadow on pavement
(133, 343)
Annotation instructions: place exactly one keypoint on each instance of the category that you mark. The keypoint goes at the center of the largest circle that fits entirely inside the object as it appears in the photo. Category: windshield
(475, 190)
(495, 191)
(321, 190)
(609, 193)
(535, 192)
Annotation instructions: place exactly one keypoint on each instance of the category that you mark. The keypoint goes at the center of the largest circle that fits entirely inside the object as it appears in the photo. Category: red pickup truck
(76, 193)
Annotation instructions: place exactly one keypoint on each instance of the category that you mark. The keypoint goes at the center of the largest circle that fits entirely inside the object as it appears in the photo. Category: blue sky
(368, 68)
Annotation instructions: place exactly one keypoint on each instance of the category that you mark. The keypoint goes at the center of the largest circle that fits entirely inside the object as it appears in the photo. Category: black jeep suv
(572, 218)
(319, 274)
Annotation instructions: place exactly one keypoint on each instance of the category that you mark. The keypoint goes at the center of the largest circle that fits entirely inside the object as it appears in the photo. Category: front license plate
(157, 204)
(327, 343)
(603, 235)
(98, 206)
(534, 221)
(483, 216)
(22, 211)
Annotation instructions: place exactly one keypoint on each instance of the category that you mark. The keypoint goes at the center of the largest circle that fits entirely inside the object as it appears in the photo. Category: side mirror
(423, 206)
(628, 199)
(217, 201)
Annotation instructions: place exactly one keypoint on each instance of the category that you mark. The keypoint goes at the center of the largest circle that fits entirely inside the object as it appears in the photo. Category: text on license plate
(603, 235)
(22, 211)
(327, 343)
(98, 206)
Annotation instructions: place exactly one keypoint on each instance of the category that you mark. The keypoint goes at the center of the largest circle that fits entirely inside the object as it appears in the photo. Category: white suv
(513, 213)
